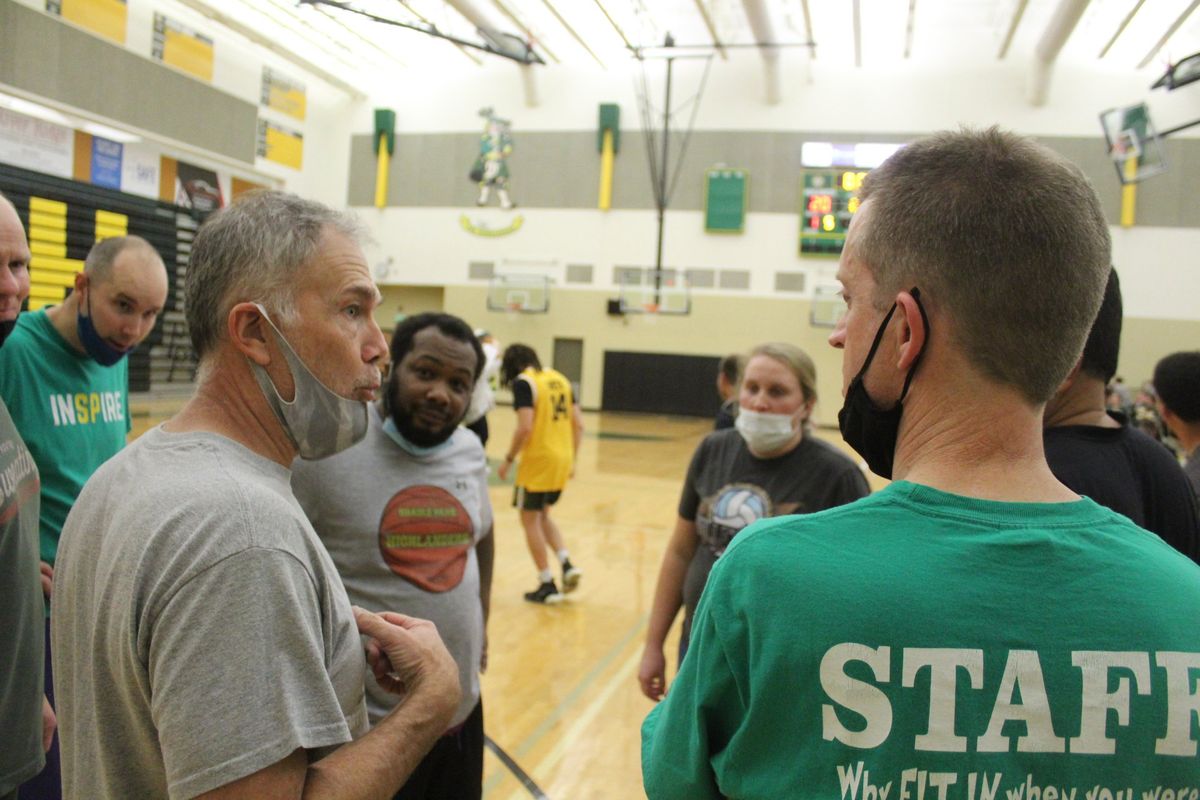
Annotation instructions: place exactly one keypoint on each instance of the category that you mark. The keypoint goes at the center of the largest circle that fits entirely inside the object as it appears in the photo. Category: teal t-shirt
(917, 644)
(72, 413)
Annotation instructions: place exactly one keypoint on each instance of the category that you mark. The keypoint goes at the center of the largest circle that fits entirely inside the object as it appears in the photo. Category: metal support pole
(664, 169)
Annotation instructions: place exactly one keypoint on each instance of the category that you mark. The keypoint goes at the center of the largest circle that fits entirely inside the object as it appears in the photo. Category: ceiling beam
(908, 31)
(429, 22)
(764, 34)
(1062, 24)
(524, 29)
(614, 24)
(1170, 32)
(337, 21)
(570, 30)
(483, 21)
(1018, 15)
(1121, 28)
(268, 42)
(857, 33)
(712, 29)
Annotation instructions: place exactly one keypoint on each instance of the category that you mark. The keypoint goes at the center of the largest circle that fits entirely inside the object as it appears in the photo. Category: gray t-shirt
(200, 631)
(728, 487)
(20, 612)
(402, 530)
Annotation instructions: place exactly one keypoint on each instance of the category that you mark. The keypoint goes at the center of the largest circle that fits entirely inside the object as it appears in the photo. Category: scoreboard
(828, 202)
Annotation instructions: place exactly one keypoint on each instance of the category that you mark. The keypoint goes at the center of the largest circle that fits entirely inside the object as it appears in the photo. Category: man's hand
(652, 674)
(47, 579)
(49, 724)
(505, 465)
(408, 658)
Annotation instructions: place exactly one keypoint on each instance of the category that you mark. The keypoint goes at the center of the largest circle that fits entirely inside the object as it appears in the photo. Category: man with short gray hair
(976, 629)
(204, 641)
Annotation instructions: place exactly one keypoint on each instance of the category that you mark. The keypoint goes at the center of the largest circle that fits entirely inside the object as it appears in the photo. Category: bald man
(65, 380)
(25, 716)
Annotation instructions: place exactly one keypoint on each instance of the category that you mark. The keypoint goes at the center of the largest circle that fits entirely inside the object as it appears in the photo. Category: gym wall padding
(560, 169)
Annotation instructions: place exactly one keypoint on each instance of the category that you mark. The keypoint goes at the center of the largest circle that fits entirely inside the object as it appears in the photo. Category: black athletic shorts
(533, 501)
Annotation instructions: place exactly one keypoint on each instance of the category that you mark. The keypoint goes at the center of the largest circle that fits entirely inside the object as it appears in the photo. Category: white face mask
(389, 427)
(319, 421)
(765, 433)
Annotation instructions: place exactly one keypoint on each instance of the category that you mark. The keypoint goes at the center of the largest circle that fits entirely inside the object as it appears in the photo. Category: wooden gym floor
(560, 696)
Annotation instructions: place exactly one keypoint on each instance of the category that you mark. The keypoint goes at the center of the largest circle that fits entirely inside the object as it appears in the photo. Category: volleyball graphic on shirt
(733, 508)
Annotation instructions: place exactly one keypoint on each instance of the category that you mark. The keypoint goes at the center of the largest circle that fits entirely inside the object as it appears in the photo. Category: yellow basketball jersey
(547, 456)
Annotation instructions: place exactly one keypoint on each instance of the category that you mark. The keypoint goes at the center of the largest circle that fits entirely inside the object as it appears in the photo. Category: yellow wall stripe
(53, 264)
(112, 219)
(108, 232)
(51, 278)
(50, 235)
(42, 205)
(40, 248)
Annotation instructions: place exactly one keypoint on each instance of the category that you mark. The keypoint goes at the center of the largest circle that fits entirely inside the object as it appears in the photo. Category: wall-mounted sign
(197, 188)
(278, 144)
(140, 168)
(725, 200)
(105, 17)
(182, 48)
(106, 163)
(36, 144)
(481, 227)
(283, 94)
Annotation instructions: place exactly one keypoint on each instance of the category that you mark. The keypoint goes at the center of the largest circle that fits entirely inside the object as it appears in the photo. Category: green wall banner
(725, 200)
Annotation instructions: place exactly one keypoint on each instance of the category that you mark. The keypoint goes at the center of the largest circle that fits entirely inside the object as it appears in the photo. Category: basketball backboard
(519, 293)
(1133, 143)
(827, 306)
(655, 292)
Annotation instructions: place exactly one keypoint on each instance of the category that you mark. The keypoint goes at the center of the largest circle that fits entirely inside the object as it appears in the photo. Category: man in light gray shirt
(203, 643)
(406, 517)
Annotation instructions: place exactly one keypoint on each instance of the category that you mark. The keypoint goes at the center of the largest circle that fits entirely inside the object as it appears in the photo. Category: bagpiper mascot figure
(491, 167)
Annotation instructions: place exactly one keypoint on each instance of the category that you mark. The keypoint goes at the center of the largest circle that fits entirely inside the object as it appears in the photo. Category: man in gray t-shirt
(202, 641)
(406, 517)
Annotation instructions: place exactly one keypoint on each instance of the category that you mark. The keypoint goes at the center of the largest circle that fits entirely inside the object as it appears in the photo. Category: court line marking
(515, 768)
(563, 707)
(581, 726)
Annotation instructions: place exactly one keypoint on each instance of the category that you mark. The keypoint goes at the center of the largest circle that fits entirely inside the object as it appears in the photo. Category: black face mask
(870, 430)
(6, 327)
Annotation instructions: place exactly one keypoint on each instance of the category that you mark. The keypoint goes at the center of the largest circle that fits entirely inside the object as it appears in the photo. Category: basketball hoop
(650, 308)
(513, 308)
(1125, 147)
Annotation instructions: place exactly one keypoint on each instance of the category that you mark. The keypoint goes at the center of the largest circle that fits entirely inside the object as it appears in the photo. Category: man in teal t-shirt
(64, 376)
(65, 380)
(976, 630)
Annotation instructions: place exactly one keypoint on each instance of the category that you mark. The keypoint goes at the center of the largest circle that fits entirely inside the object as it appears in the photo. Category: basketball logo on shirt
(424, 537)
(731, 508)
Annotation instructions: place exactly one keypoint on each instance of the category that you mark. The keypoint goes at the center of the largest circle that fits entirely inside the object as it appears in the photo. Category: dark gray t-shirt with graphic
(727, 488)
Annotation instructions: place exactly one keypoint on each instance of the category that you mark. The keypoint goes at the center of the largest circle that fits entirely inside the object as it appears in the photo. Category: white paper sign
(35, 144)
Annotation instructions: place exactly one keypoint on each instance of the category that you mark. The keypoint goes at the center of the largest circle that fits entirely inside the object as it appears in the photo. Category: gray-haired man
(204, 643)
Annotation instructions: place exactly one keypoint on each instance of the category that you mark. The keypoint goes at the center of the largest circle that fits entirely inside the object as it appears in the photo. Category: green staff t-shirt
(922, 645)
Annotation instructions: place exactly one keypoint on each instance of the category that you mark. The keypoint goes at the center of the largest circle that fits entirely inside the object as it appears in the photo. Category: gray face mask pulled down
(318, 421)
